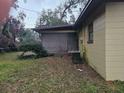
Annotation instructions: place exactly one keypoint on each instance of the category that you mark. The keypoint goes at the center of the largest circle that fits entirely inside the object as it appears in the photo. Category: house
(100, 28)
(59, 39)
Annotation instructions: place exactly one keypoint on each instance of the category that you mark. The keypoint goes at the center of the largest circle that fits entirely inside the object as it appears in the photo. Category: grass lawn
(51, 75)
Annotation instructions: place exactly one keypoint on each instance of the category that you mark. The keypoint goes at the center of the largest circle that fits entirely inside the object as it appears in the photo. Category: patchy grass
(50, 75)
(10, 63)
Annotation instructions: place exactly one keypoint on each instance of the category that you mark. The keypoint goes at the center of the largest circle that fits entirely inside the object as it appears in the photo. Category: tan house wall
(115, 41)
(106, 54)
(96, 52)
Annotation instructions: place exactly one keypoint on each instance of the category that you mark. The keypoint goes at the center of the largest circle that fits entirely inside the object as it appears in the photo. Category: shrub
(35, 48)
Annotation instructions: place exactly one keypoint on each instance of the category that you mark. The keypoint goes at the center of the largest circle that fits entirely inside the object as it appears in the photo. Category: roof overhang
(87, 11)
(58, 32)
(55, 28)
(91, 6)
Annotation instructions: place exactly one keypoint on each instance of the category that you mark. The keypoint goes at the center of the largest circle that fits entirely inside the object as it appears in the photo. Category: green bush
(35, 48)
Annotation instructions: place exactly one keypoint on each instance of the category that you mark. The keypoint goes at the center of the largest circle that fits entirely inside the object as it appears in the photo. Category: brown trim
(67, 31)
(55, 28)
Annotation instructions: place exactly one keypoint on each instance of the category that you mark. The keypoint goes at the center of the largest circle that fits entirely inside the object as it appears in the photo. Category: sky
(37, 6)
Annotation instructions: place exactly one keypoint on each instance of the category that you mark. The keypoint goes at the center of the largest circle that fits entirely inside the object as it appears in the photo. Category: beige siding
(115, 41)
(106, 54)
(96, 51)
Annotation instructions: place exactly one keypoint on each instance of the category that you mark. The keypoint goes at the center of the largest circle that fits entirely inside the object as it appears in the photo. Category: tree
(63, 14)
(12, 25)
(69, 5)
(30, 41)
(28, 36)
(49, 18)
(11, 29)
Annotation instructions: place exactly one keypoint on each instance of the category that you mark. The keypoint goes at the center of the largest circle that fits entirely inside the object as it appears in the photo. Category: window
(90, 33)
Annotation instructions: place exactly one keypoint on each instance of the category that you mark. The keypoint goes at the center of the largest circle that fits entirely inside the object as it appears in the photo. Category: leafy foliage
(50, 18)
(35, 48)
(61, 15)
(13, 25)
(69, 5)
(30, 41)
(10, 30)
(27, 36)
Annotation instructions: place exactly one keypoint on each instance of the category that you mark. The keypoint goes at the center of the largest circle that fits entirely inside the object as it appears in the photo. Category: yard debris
(80, 70)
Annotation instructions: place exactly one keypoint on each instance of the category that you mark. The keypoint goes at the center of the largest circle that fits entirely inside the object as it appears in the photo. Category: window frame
(90, 34)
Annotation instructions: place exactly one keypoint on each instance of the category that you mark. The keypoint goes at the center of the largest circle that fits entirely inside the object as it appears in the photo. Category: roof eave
(91, 5)
(55, 28)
